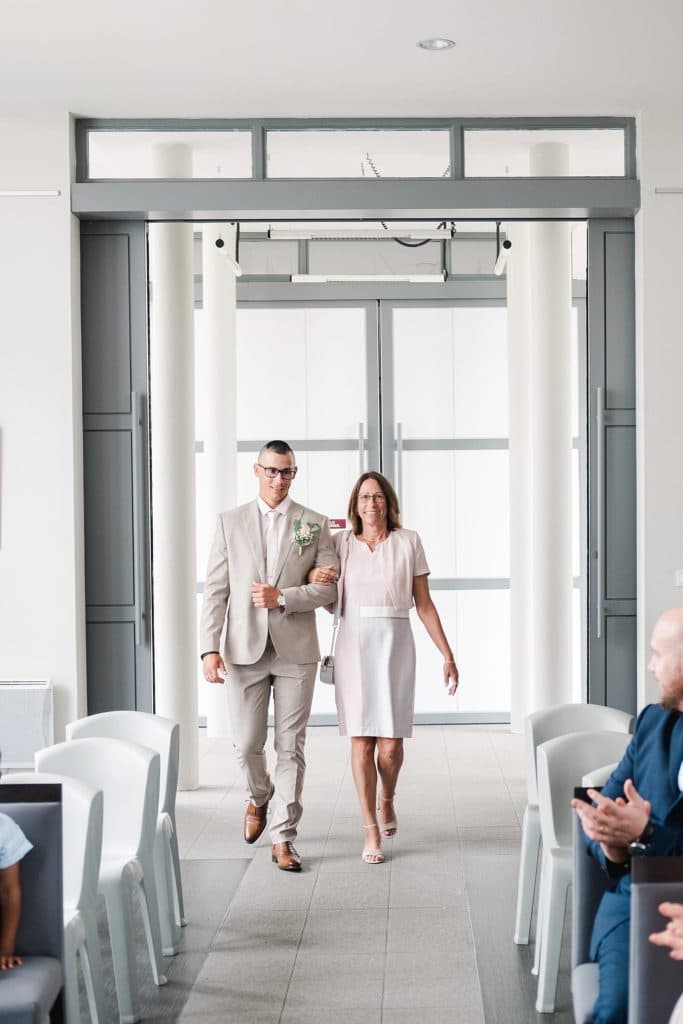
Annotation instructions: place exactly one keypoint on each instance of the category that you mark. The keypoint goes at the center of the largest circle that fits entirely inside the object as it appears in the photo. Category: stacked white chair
(128, 776)
(162, 735)
(81, 851)
(598, 776)
(539, 727)
(562, 762)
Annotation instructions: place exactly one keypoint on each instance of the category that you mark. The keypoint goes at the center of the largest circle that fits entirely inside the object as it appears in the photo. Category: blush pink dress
(374, 664)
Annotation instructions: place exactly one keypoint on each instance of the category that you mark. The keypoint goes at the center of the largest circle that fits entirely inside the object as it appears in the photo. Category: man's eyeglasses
(272, 471)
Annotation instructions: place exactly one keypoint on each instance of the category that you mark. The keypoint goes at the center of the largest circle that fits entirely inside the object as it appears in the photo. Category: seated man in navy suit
(638, 813)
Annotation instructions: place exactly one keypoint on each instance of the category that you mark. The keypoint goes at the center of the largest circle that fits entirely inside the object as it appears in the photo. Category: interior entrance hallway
(427, 935)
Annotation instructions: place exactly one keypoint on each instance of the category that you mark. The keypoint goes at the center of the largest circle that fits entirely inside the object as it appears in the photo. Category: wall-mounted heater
(26, 721)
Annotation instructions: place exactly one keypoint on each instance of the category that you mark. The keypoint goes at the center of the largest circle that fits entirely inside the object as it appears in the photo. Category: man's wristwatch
(281, 602)
(641, 844)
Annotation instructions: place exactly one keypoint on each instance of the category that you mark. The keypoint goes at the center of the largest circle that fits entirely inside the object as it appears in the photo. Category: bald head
(666, 662)
(671, 623)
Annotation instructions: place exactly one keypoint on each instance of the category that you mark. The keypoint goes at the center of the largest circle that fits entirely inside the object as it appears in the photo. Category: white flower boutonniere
(304, 534)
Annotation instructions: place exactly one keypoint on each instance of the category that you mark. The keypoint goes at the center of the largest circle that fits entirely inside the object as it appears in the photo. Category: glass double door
(419, 391)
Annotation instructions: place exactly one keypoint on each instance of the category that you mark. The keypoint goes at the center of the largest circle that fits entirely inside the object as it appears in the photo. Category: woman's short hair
(390, 498)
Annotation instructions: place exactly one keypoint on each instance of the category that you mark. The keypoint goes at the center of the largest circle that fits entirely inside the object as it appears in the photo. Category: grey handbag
(327, 663)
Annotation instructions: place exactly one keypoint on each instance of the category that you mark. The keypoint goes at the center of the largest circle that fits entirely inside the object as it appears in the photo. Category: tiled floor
(425, 936)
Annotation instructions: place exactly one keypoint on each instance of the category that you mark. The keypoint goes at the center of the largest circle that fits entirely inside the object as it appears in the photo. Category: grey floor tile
(345, 931)
(228, 1016)
(436, 1015)
(430, 979)
(344, 891)
(255, 928)
(342, 981)
(242, 983)
(323, 1014)
(488, 835)
(435, 890)
(430, 929)
(265, 969)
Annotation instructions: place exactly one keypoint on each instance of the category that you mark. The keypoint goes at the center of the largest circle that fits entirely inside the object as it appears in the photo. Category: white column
(218, 414)
(519, 371)
(173, 477)
(550, 408)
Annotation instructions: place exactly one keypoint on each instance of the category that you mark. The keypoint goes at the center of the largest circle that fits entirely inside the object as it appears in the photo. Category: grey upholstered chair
(655, 980)
(32, 993)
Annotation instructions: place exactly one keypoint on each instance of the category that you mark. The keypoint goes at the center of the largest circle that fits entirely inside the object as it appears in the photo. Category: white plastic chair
(562, 762)
(599, 776)
(162, 735)
(539, 727)
(81, 851)
(128, 776)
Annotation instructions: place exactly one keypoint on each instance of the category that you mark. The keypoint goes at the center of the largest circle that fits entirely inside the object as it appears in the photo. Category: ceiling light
(30, 193)
(439, 43)
(351, 232)
(368, 278)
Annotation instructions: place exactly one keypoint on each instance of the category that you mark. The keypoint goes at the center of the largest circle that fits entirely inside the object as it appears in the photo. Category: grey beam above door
(344, 199)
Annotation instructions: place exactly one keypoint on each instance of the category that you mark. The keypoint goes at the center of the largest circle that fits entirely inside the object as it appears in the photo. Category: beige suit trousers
(248, 691)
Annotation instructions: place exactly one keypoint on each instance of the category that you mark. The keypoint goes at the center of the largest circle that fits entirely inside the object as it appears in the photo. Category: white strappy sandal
(372, 855)
(389, 828)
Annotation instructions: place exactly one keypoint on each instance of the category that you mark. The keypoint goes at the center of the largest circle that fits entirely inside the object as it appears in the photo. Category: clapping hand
(614, 823)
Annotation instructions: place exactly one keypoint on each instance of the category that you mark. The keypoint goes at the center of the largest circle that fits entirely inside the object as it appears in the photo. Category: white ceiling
(278, 58)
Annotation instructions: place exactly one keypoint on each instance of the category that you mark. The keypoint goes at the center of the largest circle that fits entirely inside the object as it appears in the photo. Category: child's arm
(10, 912)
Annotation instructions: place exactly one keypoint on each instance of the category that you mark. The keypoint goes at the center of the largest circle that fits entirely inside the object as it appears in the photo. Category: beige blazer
(237, 560)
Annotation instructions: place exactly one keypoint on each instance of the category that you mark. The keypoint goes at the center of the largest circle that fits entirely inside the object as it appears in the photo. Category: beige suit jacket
(237, 560)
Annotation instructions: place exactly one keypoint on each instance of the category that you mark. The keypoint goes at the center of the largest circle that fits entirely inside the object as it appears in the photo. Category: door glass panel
(458, 502)
(363, 153)
(457, 356)
(470, 618)
(480, 392)
(501, 153)
(299, 372)
(131, 154)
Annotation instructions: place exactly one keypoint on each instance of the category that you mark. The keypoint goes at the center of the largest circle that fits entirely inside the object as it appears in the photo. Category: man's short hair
(279, 447)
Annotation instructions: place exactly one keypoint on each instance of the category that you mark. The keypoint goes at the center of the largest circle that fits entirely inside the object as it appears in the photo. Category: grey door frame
(611, 398)
(118, 555)
(591, 199)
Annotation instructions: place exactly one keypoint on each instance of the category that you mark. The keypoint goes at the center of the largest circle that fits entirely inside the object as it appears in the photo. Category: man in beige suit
(256, 587)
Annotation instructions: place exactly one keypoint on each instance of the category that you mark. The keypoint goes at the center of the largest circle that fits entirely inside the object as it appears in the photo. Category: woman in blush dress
(383, 573)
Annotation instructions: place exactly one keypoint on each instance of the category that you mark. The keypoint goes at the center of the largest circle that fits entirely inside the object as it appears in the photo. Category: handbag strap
(337, 607)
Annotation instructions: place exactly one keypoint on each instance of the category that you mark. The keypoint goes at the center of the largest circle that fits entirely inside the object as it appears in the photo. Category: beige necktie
(272, 545)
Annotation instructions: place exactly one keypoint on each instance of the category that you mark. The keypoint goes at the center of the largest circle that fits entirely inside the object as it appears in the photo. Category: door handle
(361, 448)
(139, 518)
(399, 460)
(599, 509)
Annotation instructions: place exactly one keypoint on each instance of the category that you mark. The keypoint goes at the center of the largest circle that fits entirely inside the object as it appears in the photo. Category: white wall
(659, 280)
(41, 556)
(41, 546)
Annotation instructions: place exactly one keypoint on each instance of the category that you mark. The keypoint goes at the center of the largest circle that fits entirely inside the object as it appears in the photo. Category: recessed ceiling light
(436, 44)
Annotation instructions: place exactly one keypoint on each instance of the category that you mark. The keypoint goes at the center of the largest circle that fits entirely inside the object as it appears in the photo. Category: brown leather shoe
(286, 857)
(255, 820)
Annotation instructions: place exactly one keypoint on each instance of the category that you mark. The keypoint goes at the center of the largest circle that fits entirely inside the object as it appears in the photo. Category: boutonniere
(304, 534)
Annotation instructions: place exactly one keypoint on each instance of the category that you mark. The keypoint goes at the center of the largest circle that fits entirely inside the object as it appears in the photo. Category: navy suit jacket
(652, 760)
